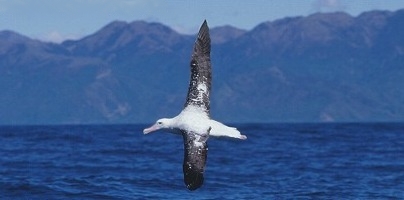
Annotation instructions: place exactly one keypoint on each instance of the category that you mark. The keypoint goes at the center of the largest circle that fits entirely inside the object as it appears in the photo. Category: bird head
(163, 123)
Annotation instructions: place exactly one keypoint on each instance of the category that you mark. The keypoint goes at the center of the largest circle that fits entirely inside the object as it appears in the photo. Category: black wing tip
(204, 29)
(204, 37)
(194, 180)
(205, 24)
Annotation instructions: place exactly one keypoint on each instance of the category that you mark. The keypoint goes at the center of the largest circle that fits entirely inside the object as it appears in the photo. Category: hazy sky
(56, 20)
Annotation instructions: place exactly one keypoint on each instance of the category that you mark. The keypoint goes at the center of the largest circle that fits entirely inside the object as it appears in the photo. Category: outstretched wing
(200, 83)
(195, 155)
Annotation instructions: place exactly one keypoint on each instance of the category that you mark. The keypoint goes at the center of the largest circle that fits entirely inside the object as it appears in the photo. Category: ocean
(277, 161)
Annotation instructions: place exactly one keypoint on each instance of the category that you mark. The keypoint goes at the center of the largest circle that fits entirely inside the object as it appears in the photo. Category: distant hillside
(323, 67)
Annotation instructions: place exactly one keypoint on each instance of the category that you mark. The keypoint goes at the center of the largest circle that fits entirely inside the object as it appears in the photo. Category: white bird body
(192, 119)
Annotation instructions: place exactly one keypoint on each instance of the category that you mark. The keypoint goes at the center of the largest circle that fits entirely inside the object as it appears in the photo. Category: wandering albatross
(194, 122)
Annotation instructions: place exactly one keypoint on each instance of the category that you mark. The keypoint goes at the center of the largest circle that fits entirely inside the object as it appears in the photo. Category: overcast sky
(56, 20)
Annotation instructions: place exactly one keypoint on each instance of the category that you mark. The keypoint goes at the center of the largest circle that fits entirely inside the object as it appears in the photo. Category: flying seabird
(194, 122)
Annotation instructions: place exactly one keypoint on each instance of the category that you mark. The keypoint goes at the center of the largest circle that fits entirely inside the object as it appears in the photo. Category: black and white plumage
(194, 122)
(201, 74)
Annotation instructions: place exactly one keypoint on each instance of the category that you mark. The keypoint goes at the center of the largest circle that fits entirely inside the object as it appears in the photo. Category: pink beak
(155, 127)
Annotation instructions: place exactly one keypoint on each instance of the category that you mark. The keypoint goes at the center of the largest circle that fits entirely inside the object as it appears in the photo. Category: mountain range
(325, 67)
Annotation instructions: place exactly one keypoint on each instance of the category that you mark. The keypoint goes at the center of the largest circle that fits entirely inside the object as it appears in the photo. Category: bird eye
(159, 122)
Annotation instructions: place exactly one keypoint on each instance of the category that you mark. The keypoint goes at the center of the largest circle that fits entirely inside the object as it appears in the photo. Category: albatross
(194, 122)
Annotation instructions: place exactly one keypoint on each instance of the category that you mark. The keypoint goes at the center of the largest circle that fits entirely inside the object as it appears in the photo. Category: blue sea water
(277, 161)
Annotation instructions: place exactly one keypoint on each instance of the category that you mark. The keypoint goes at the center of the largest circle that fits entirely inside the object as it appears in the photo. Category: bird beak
(155, 127)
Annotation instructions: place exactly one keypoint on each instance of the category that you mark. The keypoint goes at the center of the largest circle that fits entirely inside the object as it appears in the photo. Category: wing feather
(195, 155)
(201, 75)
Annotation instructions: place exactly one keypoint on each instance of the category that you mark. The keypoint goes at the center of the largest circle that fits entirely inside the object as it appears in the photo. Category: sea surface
(277, 161)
